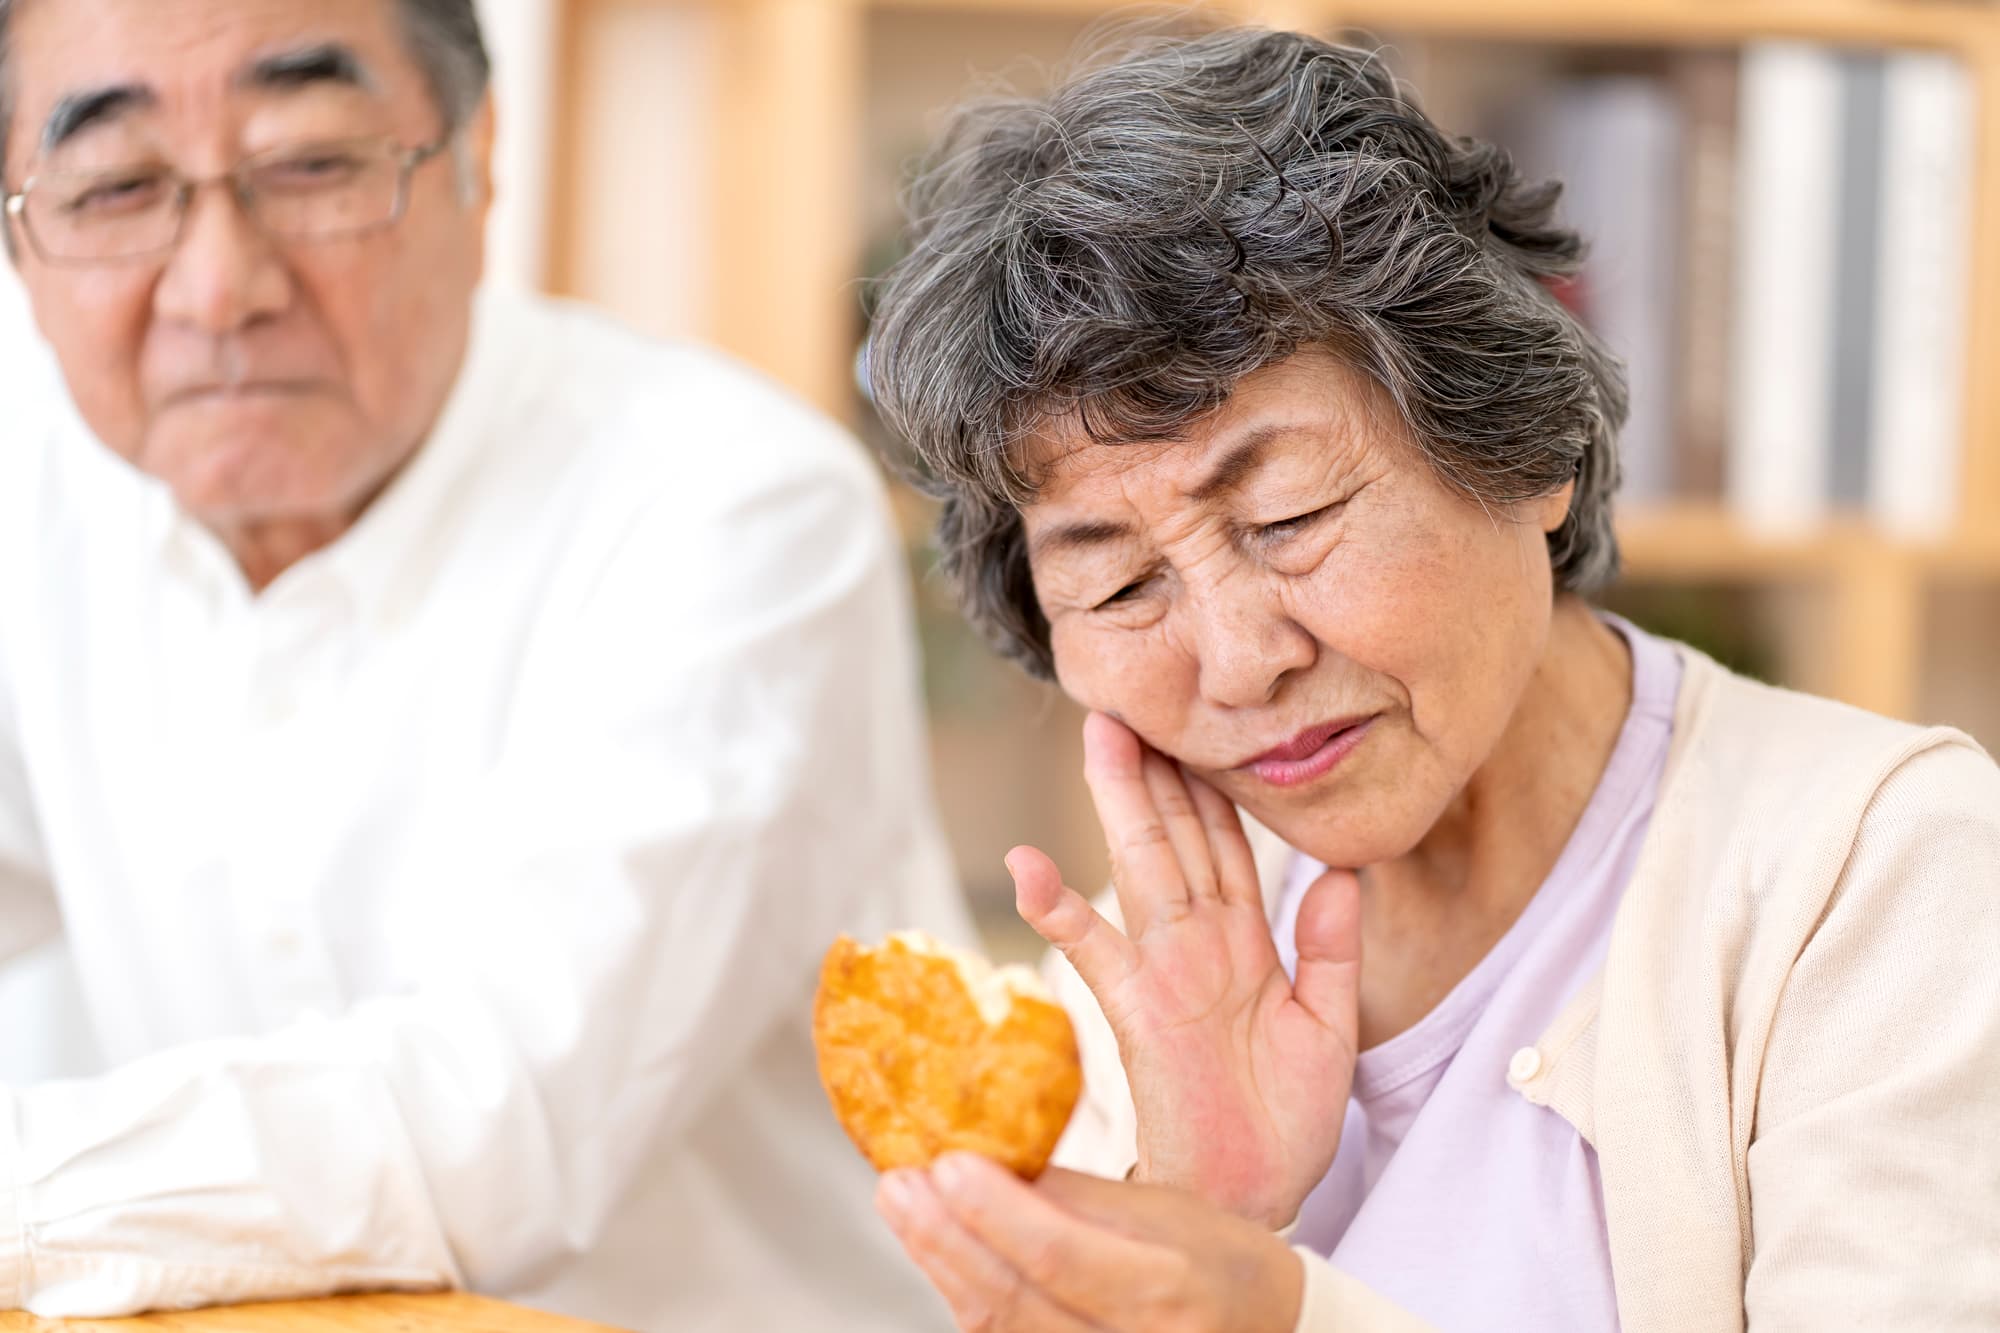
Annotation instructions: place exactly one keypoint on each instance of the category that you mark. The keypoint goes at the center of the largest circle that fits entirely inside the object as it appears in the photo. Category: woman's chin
(1335, 833)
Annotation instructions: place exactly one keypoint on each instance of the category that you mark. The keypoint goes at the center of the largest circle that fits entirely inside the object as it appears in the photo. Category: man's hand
(1075, 1254)
(1239, 1077)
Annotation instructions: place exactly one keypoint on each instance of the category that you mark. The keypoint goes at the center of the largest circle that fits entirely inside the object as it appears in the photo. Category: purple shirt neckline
(1452, 1194)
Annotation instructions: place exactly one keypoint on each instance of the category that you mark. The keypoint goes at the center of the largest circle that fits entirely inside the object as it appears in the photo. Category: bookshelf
(796, 190)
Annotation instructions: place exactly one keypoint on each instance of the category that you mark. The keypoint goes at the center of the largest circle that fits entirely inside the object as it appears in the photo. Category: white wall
(644, 163)
(520, 34)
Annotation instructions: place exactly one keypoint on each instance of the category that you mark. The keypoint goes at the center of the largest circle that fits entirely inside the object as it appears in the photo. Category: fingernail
(892, 1196)
(953, 1175)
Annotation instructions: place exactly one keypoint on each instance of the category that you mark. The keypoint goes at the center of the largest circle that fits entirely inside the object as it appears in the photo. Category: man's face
(263, 379)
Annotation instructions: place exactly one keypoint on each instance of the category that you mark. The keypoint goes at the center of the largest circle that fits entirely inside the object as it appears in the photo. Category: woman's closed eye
(1125, 594)
(1280, 529)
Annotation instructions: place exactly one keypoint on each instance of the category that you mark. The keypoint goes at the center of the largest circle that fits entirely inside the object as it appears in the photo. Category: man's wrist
(1282, 1292)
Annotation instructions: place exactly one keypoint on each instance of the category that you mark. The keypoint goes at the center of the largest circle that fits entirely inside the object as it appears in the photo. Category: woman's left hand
(1074, 1253)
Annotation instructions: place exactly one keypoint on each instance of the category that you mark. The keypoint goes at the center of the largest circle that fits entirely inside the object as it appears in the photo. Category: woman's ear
(1553, 508)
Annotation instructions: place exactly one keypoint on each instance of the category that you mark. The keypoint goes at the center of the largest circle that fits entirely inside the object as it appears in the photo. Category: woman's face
(1290, 602)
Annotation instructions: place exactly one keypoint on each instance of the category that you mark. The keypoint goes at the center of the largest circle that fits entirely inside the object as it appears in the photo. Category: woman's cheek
(1138, 673)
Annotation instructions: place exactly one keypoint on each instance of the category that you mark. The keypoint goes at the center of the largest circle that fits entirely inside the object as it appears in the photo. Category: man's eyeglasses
(302, 192)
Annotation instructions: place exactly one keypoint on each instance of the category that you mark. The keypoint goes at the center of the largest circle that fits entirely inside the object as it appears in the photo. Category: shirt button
(287, 943)
(1527, 1063)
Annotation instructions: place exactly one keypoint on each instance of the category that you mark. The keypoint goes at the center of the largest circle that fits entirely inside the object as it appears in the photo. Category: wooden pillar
(1287, 15)
(1878, 628)
(787, 224)
(1979, 509)
(560, 237)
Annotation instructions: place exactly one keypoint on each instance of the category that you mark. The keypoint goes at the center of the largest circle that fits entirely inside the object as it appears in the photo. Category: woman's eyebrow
(1241, 460)
(1078, 535)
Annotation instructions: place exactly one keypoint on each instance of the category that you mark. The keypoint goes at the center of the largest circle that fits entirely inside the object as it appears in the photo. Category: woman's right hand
(1239, 1075)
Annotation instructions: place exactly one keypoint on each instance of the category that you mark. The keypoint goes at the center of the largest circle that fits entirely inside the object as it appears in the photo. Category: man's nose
(225, 273)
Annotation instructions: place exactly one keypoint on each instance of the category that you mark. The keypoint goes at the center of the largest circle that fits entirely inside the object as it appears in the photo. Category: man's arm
(708, 771)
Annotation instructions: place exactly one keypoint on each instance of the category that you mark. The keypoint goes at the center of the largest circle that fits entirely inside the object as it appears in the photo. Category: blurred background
(1795, 214)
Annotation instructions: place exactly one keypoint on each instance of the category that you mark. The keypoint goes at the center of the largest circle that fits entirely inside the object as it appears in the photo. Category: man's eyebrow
(1075, 536)
(322, 62)
(1238, 463)
(79, 111)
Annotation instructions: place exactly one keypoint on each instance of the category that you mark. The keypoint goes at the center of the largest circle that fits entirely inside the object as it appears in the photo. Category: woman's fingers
(1145, 869)
(1095, 1271)
(985, 1293)
(1065, 918)
(1328, 934)
(1235, 867)
(1185, 832)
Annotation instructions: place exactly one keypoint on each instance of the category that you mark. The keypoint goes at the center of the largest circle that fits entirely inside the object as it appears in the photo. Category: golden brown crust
(913, 1070)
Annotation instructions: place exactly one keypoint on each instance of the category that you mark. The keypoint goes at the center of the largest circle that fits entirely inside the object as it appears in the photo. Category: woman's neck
(1430, 915)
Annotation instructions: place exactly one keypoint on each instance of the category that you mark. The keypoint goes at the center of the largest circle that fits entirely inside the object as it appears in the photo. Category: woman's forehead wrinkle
(1060, 462)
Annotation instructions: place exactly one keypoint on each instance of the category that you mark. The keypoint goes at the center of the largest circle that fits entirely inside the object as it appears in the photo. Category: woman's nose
(1247, 643)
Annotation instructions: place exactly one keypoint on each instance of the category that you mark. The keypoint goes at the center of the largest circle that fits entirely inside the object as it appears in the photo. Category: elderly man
(446, 730)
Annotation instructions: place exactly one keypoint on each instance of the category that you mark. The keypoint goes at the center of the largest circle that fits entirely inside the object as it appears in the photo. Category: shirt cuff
(13, 1225)
(1333, 1302)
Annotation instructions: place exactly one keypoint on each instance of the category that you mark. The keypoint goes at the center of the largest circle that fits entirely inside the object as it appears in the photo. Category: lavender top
(1452, 1194)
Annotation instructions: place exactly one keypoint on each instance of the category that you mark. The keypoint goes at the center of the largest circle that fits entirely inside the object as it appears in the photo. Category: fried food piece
(926, 1049)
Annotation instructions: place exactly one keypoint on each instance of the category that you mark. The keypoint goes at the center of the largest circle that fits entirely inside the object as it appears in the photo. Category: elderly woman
(1478, 960)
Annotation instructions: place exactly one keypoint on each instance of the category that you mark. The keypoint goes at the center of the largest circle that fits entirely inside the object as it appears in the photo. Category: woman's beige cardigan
(1790, 1063)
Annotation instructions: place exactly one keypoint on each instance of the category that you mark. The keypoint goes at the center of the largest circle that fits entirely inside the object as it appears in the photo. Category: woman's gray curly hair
(1188, 210)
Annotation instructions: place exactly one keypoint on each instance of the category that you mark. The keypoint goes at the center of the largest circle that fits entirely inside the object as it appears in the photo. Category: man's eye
(116, 194)
(309, 171)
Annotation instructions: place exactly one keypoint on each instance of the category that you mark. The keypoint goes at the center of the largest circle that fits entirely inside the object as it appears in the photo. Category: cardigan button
(1527, 1063)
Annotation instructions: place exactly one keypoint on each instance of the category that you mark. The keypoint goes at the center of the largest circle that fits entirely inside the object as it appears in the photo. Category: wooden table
(441, 1312)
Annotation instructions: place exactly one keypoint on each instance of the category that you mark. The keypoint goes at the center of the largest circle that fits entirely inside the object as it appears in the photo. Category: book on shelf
(1778, 247)
(1854, 221)
(1857, 243)
(1706, 83)
(1616, 143)
(1787, 251)
(1915, 428)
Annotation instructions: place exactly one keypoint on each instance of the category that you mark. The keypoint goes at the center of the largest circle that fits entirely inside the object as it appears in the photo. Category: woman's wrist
(1269, 1208)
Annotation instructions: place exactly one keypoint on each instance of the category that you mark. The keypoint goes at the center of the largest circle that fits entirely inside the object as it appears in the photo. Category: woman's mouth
(1310, 754)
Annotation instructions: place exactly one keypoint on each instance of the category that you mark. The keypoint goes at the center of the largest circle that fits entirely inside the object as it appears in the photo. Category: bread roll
(925, 1049)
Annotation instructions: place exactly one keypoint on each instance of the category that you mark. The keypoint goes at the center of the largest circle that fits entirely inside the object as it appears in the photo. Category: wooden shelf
(1940, 23)
(1969, 558)
(1681, 22)
(1702, 542)
(1301, 14)
(1706, 542)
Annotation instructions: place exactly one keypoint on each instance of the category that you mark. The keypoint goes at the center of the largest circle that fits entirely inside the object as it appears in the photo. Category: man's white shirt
(449, 911)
